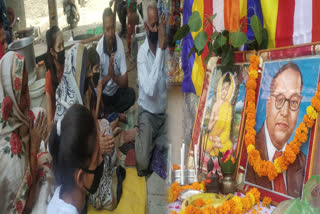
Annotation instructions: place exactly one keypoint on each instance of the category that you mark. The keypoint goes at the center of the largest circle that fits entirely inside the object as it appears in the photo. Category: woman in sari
(24, 169)
(74, 85)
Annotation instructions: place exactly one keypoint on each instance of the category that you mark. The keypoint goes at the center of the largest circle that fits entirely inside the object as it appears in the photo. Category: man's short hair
(107, 13)
(151, 4)
(291, 65)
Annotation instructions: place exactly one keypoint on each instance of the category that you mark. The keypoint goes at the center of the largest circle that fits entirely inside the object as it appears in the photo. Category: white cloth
(68, 92)
(302, 28)
(152, 79)
(271, 150)
(120, 66)
(58, 206)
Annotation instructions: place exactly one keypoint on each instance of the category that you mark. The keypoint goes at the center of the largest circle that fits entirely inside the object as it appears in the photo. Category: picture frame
(213, 79)
(271, 130)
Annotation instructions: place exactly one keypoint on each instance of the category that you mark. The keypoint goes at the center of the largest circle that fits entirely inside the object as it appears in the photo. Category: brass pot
(228, 183)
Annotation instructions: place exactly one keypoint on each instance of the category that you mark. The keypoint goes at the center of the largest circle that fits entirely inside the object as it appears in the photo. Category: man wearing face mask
(117, 96)
(152, 79)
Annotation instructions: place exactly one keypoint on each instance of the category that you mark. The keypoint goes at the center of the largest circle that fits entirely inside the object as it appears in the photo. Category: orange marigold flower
(251, 83)
(251, 116)
(174, 212)
(209, 210)
(249, 139)
(226, 207)
(308, 121)
(175, 167)
(315, 102)
(301, 137)
(266, 201)
(272, 171)
(318, 94)
(289, 155)
(303, 127)
(251, 95)
(251, 107)
(251, 132)
(253, 156)
(256, 194)
(253, 67)
(282, 163)
(295, 148)
(250, 123)
(190, 209)
(174, 191)
(199, 203)
(254, 59)
(318, 88)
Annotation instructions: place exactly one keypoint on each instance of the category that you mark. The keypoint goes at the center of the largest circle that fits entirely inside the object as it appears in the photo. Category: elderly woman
(23, 168)
(75, 84)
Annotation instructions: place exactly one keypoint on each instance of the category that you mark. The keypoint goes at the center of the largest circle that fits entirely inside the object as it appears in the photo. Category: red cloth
(278, 182)
(284, 30)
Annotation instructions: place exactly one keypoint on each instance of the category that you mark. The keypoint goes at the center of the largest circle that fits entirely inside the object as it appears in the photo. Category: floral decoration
(263, 167)
(175, 189)
(235, 205)
(266, 202)
(6, 108)
(15, 147)
(17, 83)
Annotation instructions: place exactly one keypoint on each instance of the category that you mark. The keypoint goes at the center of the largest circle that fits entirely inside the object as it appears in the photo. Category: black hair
(74, 148)
(291, 65)
(227, 78)
(51, 37)
(106, 13)
(93, 57)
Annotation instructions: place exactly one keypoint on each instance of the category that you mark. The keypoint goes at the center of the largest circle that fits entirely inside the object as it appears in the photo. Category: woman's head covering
(11, 73)
(231, 88)
(15, 176)
(71, 88)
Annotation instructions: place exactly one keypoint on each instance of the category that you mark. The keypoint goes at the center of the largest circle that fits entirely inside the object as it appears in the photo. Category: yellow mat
(134, 196)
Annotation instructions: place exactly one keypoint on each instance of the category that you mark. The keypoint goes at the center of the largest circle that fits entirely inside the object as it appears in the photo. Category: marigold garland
(235, 205)
(175, 189)
(263, 167)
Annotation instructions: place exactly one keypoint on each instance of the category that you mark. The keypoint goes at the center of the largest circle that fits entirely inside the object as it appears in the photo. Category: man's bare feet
(129, 135)
(123, 118)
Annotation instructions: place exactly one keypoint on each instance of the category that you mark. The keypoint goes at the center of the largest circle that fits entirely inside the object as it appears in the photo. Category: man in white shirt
(282, 110)
(117, 96)
(152, 79)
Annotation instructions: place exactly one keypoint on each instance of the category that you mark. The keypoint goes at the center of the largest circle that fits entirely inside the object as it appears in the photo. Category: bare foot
(129, 135)
(123, 118)
(116, 131)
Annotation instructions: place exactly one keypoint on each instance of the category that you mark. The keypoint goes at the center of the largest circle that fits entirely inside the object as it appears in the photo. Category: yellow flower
(253, 73)
(250, 148)
(276, 164)
(312, 113)
(237, 203)
(251, 196)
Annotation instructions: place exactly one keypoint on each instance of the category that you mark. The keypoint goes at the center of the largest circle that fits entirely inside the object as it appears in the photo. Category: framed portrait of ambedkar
(219, 121)
(288, 81)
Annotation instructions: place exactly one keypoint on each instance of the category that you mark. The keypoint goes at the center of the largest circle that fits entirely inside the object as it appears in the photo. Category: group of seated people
(59, 160)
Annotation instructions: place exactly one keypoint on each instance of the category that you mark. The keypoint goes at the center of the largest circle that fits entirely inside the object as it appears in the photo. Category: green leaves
(220, 41)
(257, 28)
(181, 33)
(200, 40)
(237, 39)
(195, 22)
(227, 56)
